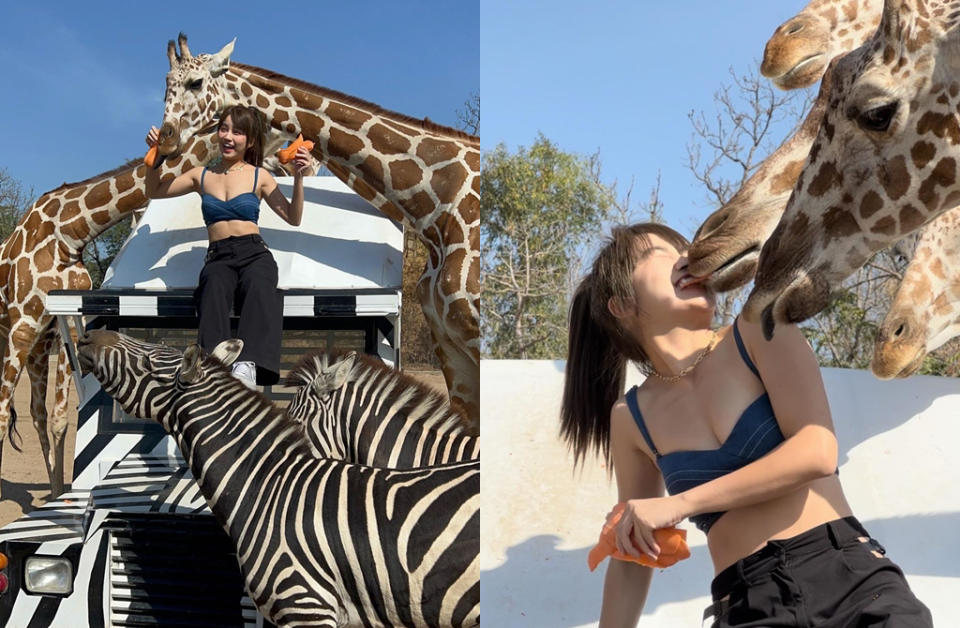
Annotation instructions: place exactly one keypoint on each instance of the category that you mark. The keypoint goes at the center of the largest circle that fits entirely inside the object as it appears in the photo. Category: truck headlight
(51, 575)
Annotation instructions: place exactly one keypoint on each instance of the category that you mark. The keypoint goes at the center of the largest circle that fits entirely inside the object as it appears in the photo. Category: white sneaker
(246, 372)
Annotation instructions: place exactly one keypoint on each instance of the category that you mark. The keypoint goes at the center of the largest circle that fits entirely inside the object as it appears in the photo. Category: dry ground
(24, 484)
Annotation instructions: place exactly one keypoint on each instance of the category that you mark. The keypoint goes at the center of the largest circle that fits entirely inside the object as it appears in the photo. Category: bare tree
(468, 118)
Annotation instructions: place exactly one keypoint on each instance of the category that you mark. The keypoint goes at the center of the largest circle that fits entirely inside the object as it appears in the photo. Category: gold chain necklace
(703, 354)
(239, 166)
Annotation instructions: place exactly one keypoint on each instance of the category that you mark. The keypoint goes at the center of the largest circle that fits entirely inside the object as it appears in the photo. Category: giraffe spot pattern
(350, 117)
(824, 179)
(784, 182)
(448, 181)
(894, 177)
(372, 171)
(386, 141)
(419, 205)
(870, 204)
(885, 226)
(941, 125)
(910, 219)
(98, 195)
(433, 151)
(405, 174)
(343, 145)
(839, 223)
(921, 153)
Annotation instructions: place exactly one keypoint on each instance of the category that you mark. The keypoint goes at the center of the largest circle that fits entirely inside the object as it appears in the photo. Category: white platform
(898, 464)
(343, 242)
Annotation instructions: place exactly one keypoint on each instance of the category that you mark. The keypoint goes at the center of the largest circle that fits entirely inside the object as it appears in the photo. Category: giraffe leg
(20, 341)
(60, 422)
(38, 370)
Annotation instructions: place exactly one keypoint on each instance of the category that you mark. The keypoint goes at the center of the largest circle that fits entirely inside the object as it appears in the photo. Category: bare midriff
(742, 531)
(226, 228)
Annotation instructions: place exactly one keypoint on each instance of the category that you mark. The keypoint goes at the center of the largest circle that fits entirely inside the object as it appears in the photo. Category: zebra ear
(190, 370)
(228, 351)
(335, 375)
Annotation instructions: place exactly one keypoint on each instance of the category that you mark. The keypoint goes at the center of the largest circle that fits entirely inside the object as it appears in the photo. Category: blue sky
(84, 81)
(619, 78)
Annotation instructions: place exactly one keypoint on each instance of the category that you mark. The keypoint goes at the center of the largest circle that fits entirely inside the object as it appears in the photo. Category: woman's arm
(187, 182)
(792, 379)
(626, 584)
(290, 211)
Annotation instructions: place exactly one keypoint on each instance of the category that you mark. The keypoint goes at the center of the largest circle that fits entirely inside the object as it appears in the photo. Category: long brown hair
(253, 123)
(599, 347)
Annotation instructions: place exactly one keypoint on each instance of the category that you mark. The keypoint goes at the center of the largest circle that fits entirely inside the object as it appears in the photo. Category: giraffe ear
(190, 370)
(219, 62)
(228, 351)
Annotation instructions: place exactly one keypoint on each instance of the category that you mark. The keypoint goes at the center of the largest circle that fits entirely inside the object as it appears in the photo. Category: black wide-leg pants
(241, 271)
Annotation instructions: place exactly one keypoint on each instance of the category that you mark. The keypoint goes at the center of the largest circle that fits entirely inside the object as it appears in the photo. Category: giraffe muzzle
(169, 138)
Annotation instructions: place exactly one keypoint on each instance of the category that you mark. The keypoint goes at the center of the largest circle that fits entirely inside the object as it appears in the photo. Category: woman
(238, 262)
(739, 431)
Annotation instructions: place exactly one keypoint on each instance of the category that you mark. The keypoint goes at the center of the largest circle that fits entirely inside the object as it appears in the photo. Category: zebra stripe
(320, 542)
(356, 409)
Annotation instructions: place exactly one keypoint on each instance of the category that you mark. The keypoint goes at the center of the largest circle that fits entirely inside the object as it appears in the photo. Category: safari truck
(132, 542)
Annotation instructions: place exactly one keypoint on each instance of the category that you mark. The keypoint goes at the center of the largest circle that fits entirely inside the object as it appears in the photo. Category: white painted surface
(343, 242)
(898, 464)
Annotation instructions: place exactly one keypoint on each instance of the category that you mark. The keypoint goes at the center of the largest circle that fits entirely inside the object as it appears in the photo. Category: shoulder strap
(256, 174)
(202, 175)
(638, 418)
(743, 348)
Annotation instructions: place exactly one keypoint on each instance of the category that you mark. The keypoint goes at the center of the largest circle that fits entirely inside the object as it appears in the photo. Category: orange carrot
(286, 155)
(150, 159)
(672, 542)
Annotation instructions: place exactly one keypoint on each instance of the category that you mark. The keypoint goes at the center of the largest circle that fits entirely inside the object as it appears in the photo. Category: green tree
(99, 254)
(541, 208)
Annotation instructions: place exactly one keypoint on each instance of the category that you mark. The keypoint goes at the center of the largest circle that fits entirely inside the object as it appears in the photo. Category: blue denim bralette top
(755, 434)
(244, 206)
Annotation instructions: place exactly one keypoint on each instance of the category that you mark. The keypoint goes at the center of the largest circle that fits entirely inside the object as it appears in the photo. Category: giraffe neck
(410, 169)
(79, 212)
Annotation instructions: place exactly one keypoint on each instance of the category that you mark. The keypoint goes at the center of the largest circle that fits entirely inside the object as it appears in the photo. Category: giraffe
(44, 253)
(883, 163)
(798, 52)
(727, 245)
(412, 170)
(925, 312)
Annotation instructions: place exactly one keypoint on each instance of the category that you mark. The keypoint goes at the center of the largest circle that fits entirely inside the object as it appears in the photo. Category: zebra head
(316, 379)
(146, 379)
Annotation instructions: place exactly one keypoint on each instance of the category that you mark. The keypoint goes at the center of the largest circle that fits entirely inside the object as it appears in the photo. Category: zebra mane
(216, 368)
(400, 388)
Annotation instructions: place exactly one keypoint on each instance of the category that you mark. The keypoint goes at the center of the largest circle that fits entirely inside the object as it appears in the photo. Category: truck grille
(174, 571)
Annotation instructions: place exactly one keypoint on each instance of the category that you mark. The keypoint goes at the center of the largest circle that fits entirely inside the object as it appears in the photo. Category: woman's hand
(302, 160)
(640, 518)
(153, 136)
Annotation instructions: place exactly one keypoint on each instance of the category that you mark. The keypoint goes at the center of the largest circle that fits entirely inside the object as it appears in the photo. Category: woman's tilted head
(243, 129)
(638, 279)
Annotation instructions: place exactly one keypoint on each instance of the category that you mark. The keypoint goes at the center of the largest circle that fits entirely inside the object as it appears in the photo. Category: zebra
(320, 542)
(358, 409)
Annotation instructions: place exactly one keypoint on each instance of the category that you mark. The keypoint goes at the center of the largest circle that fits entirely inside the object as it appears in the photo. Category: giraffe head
(726, 247)
(926, 310)
(800, 49)
(195, 93)
(883, 163)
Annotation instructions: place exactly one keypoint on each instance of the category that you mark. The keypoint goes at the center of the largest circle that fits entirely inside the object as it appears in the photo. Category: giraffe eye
(877, 119)
(195, 84)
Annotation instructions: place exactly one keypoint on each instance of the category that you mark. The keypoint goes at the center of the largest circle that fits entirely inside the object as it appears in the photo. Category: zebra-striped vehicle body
(320, 542)
(358, 409)
(143, 547)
